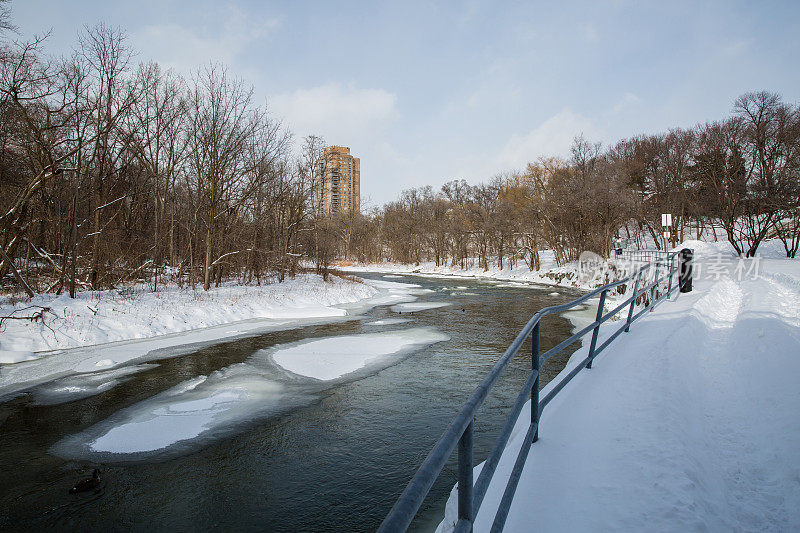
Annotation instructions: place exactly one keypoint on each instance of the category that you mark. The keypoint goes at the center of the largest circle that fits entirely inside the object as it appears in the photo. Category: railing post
(654, 290)
(600, 308)
(633, 302)
(535, 363)
(671, 267)
(465, 475)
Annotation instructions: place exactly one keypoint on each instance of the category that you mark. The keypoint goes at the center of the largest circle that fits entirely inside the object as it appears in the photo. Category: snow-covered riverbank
(68, 374)
(109, 316)
(548, 274)
(687, 422)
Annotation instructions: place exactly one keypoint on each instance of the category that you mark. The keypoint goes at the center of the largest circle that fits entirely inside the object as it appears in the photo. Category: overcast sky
(426, 92)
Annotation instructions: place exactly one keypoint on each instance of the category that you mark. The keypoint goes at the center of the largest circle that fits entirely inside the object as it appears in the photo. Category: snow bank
(16, 356)
(25, 375)
(307, 300)
(688, 422)
(108, 316)
(333, 357)
(549, 274)
(387, 293)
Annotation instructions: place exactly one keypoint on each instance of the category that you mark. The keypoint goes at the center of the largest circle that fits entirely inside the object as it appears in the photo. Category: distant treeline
(113, 172)
(740, 174)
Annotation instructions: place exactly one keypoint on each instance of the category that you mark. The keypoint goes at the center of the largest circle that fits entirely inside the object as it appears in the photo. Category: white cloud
(336, 111)
(628, 102)
(184, 49)
(552, 137)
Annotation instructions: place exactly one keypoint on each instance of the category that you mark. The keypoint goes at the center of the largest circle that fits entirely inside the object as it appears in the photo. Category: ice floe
(417, 306)
(389, 293)
(80, 386)
(183, 417)
(388, 321)
(205, 408)
(333, 357)
(26, 375)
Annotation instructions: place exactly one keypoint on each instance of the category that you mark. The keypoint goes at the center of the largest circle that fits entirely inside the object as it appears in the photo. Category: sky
(428, 92)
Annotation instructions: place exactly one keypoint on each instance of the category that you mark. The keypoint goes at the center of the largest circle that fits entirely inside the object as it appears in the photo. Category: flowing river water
(332, 458)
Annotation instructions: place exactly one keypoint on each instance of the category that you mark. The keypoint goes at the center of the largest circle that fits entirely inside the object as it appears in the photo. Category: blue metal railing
(646, 255)
(459, 434)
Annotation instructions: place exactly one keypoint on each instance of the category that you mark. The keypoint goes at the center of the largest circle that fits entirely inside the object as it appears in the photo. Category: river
(335, 460)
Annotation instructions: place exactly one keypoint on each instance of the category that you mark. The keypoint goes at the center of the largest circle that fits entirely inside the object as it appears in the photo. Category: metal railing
(647, 255)
(459, 434)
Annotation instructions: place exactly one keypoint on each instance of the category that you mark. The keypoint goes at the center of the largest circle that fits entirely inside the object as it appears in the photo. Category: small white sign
(666, 219)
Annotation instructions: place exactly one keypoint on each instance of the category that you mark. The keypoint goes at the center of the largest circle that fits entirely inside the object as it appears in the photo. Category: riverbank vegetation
(115, 172)
(739, 176)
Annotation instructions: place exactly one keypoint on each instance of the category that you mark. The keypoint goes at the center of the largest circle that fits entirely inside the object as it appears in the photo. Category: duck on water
(87, 484)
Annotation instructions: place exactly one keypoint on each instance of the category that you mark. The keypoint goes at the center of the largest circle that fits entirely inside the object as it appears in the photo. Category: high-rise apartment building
(337, 182)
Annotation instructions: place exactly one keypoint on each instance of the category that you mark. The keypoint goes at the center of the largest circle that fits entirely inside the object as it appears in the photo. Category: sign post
(666, 222)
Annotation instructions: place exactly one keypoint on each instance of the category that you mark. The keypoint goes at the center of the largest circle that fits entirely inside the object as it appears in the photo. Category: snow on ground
(108, 316)
(91, 359)
(304, 301)
(549, 274)
(333, 357)
(688, 422)
(205, 408)
(388, 293)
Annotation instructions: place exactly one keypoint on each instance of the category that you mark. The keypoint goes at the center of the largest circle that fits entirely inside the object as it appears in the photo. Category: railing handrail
(647, 254)
(459, 431)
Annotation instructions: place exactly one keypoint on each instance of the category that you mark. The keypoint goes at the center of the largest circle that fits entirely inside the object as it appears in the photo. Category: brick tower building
(337, 182)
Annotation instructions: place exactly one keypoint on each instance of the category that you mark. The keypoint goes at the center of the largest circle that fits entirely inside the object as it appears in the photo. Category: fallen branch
(7, 260)
(35, 317)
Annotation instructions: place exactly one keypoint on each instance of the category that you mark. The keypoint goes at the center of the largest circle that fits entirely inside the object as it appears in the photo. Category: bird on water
(87, 484)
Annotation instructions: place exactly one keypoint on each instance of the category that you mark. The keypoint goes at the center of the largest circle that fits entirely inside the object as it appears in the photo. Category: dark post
(465, 475)
(685, 283)
(536, 364)
(600, 309)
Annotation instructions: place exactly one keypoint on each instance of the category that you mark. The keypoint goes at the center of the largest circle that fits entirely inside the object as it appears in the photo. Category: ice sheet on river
(80, 386)
(92, 359)
(417, 306)
(388, 321)
(389, 293)
(182, 418)
(333, 357)
(187, 416)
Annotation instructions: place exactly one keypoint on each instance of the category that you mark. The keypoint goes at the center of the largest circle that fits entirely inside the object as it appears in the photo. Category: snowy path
(690, 422)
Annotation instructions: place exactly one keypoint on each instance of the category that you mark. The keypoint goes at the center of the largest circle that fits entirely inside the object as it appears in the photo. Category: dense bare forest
(114, 172)
(740, 175)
